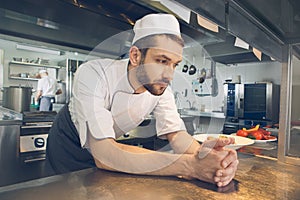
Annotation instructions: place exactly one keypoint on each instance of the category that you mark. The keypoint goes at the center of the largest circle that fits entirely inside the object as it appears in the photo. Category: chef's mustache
(164, 80)
(146, 81)
(150, 76)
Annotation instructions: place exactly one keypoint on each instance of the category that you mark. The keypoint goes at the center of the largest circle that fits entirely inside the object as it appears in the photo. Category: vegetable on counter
(252, 129)
(256, 133)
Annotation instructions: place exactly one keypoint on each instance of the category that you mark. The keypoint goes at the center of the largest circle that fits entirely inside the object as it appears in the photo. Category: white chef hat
(42, 71)
(155, 24)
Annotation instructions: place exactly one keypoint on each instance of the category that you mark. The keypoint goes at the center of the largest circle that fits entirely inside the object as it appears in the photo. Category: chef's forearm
(182, 142)
(114, 156)
(38, 95)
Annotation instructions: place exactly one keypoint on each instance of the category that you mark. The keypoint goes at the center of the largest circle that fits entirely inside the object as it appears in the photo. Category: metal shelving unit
(34, 64)
(28, 64)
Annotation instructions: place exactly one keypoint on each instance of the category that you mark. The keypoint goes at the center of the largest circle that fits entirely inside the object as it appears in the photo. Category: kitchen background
(183, 82)
(74, 28)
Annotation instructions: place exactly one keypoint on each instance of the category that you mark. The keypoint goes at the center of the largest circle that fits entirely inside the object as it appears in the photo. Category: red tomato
(242, 133)
(257, 134)
(266, 137)
(269, 137)
(265, 132)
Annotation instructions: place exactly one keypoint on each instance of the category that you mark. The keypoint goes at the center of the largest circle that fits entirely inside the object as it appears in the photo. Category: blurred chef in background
(46, 90)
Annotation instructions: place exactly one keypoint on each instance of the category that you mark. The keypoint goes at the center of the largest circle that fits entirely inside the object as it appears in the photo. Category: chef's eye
(162, 61)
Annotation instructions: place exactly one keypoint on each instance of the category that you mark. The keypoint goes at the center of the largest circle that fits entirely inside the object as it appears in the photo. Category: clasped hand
(214, 163)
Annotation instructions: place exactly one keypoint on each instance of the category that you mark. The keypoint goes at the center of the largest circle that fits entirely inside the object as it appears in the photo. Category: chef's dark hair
(150, 41)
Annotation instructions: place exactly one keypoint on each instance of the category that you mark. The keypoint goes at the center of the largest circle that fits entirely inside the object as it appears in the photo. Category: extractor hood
(266, 25)
(83, 24)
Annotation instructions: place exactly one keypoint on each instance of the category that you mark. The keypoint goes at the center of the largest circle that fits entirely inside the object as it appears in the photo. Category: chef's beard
(144, 79)
(151, 88)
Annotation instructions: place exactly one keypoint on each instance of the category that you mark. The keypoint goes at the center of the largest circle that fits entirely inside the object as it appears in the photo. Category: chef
(46, 91)
(112, 97)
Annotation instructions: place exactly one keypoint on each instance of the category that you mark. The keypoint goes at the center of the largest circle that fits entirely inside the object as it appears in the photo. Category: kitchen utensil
(24, 75)
(17, 98)
(17, 59)
(192, 70)
(202, 75)
(185, 68)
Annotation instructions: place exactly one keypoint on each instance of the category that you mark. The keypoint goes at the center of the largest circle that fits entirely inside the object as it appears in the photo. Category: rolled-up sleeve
(89, 110)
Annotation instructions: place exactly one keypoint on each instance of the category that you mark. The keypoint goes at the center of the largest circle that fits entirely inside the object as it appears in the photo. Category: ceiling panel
(86, 23)
(282, 17)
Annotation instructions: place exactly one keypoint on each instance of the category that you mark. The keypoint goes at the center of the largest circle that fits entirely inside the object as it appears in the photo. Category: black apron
(64, 152)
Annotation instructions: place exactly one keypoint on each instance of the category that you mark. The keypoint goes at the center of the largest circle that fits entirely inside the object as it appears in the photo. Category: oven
(23, 148)
(32, 144)
(33, 136)
(33, 140)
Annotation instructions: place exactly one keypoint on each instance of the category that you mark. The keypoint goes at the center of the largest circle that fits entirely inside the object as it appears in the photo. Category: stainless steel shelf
(34, 64)
(21, 78)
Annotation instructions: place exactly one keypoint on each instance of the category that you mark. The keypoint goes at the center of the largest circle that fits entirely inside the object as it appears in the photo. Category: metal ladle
(202, 75)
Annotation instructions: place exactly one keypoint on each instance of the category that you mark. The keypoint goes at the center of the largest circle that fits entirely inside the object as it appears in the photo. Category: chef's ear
(134, 56)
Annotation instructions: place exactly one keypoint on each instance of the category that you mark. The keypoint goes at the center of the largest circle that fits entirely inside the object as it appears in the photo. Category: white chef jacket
(48, 86)
(103, 102)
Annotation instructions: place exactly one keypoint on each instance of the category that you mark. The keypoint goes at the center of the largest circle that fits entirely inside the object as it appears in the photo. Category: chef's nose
(168, 73)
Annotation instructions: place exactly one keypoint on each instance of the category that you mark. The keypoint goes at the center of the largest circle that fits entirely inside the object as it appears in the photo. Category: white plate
(259, 141)
(239, 141)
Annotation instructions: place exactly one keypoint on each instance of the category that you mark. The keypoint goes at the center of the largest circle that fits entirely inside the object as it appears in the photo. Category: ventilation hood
(266, 25)
(83, 24)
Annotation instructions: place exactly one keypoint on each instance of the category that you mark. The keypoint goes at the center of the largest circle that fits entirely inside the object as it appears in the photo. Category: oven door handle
(38, 126)
(34, 160)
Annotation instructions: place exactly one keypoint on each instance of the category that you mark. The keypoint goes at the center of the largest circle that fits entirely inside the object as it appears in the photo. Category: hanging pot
(202, 75)
(192, 70)
(17, 98)
(185, 68)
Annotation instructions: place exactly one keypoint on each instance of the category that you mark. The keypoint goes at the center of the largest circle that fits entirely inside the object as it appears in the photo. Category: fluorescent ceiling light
(47, 23)
(29, 19)
(38, 49)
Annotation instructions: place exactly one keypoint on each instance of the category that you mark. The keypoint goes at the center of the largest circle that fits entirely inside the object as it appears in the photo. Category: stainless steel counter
(198, 113)
(10, 117)
(21, 159)
(256, 178)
